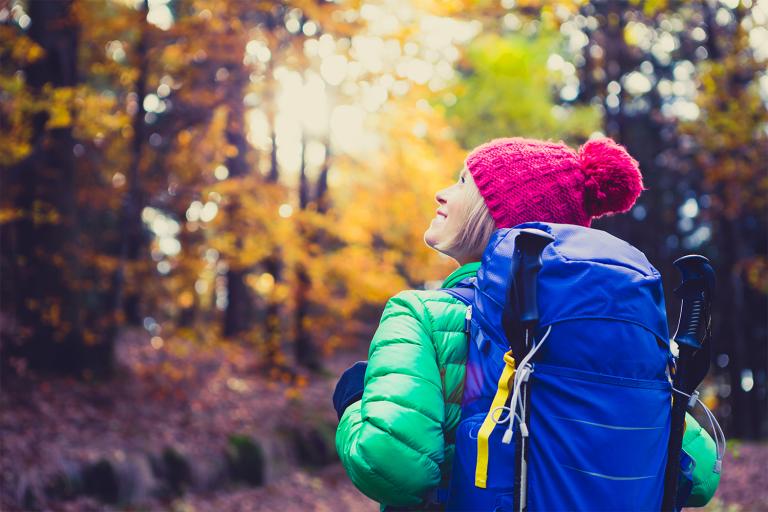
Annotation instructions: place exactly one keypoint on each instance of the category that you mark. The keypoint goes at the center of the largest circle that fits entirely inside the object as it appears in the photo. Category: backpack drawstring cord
(693, 399)
(521, 376)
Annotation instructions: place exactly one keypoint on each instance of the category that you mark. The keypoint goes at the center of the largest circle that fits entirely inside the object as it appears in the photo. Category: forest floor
(192, 398)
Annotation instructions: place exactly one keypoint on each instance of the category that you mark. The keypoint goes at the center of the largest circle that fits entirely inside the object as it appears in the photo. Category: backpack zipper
(467, 319)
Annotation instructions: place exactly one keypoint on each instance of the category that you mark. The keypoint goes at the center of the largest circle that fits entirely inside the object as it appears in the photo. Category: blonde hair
(476, 230)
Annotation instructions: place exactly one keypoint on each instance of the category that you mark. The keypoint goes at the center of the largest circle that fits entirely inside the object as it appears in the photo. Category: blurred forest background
(205, 204)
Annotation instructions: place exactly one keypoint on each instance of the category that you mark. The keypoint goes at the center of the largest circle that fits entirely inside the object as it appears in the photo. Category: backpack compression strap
(465, 292)
(499, 400)
(504, 388)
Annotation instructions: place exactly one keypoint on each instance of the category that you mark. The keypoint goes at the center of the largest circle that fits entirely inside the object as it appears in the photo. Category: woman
(398, 414)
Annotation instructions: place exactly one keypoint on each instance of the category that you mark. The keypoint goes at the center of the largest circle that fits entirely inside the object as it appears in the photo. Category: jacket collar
(463, 272)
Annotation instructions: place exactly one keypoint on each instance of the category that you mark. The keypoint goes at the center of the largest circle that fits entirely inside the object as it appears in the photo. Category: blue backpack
(567, 396)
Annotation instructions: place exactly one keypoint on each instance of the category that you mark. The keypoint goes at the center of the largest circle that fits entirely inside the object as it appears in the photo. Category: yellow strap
(505, 381)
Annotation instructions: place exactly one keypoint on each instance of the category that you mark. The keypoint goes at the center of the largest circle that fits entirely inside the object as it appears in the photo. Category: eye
(462, 178)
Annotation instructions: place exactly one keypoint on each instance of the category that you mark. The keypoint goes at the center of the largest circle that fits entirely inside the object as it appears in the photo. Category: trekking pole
(521, 312)
(530, 244)
(693, 340)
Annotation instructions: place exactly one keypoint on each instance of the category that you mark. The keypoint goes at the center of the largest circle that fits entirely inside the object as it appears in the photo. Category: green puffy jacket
(397, 442)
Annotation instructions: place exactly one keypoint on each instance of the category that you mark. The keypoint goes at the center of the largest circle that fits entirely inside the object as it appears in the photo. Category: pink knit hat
(524, 180)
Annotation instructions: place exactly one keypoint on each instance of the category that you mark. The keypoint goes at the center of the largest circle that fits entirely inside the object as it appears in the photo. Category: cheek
(457, 213)
(452, 226)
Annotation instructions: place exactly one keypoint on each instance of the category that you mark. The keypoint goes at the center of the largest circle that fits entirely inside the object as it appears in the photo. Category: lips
(442, 214)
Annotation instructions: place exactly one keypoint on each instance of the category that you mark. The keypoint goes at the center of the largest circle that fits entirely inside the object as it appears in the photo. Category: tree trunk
(239, 315)
(50, 310)
(304, 351)
(731, 306)
(270, 102)
(321, 194)
(272, 264)
(132, 235)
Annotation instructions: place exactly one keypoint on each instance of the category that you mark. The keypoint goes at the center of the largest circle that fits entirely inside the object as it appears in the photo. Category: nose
(440, 196)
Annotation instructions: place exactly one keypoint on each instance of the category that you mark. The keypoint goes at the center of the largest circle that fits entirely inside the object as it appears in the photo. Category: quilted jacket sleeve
(698, 444)
(391, 442)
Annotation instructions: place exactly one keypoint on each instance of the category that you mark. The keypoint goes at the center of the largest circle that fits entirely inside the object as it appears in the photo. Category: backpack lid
(586, 274)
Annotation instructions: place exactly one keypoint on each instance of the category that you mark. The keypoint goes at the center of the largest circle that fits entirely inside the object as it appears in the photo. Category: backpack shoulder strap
(464, 290)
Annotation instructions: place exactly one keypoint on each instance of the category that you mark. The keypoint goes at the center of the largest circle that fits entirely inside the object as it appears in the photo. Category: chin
(430, 238)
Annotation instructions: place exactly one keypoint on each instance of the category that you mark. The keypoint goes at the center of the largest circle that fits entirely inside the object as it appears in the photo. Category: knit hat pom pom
(613, 180)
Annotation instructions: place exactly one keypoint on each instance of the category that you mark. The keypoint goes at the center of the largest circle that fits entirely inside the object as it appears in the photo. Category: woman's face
(453, 207)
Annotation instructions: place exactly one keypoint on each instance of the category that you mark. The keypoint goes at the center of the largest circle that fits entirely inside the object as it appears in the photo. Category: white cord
(524, 370)
(506, 409)
(716, 429)
(713, 423)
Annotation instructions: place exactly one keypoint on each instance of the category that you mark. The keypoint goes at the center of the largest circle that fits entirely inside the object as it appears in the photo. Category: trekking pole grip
(531, 243)
(698, 282)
